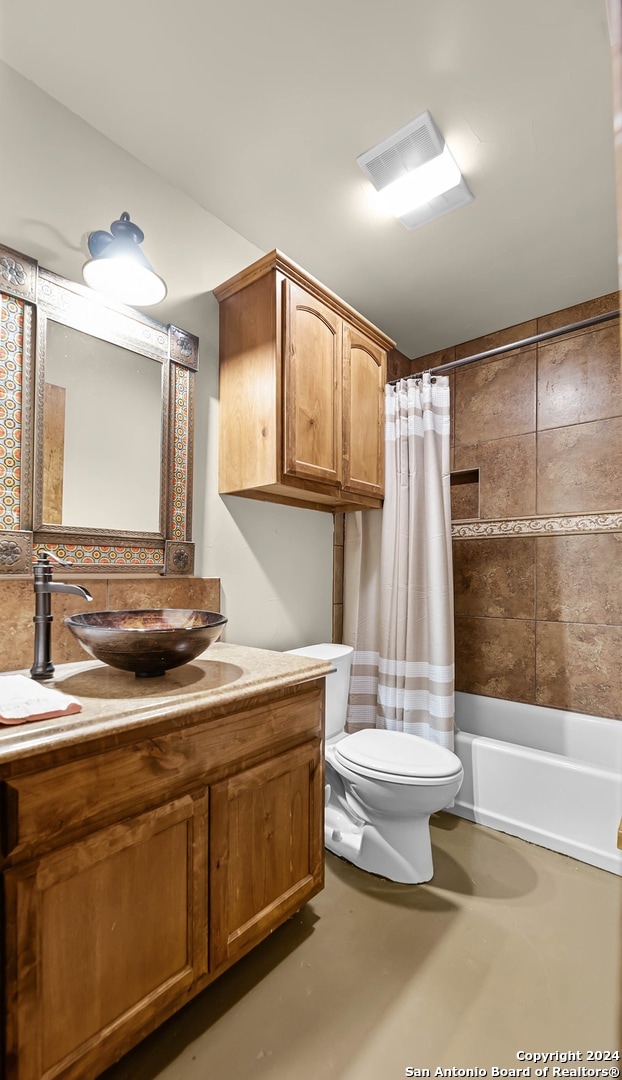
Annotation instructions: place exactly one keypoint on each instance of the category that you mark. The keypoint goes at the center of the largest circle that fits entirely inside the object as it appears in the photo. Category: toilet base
(402, 852)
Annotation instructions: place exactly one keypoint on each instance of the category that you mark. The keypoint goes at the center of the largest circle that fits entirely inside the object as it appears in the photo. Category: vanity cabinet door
(266, 849)
(107, 934)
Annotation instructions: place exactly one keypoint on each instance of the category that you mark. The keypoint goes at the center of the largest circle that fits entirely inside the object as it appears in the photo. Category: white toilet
(381, 786)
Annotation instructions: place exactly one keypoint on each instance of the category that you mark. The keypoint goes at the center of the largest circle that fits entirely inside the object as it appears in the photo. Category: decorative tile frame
(28, 296)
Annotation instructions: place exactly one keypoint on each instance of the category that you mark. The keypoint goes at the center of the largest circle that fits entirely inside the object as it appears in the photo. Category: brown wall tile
(579, 378)
(600, 305)
(496, 657)
(507, 336)
(579, 468)
(128, 593)
(507, 475)
(17, 601)
(496, 398)
(495, 577)
(578, 668)
(398, 365)
(338, 622)
(432, 360)
(579, 578)
(574, 463)
(17, 633)
(65, 648)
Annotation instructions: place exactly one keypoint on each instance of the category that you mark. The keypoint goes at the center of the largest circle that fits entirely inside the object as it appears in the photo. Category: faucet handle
(43, 557)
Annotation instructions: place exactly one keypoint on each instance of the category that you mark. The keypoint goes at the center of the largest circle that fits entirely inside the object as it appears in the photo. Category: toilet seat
(397, 756)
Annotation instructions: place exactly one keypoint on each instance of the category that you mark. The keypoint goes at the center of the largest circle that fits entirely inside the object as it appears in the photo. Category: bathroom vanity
(149, 842)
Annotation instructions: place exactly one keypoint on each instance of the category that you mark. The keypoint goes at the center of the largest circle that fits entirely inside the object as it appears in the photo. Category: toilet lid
(397, 753)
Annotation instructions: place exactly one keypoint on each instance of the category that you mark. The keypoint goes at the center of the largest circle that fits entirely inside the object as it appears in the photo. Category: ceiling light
(414, 173)
(119, 268)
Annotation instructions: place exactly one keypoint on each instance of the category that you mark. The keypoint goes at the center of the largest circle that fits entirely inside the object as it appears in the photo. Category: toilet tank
(337, 682)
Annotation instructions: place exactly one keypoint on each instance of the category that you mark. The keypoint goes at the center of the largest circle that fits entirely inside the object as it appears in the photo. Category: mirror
(102, 399)
(102, 434)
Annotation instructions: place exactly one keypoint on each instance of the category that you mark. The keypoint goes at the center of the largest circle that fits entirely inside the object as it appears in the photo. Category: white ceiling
(258, 110)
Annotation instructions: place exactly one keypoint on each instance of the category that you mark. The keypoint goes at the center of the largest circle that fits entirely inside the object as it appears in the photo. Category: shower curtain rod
(546, 335)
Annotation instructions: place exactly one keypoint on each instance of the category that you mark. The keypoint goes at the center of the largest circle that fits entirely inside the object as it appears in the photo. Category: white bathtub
(548, 776)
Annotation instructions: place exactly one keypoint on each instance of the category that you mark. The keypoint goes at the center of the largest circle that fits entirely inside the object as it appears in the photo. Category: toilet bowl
(381, 786)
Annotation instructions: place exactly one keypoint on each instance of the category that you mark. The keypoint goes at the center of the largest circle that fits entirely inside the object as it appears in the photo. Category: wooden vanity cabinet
(302, 379)
(135, 874)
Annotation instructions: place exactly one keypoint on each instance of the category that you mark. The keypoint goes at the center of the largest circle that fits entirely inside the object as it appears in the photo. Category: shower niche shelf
(464, 486)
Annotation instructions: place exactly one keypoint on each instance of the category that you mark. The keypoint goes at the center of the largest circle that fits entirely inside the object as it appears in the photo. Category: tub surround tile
(559, 488)
(578, 667)
(495, 578)
(398, 365)
(432, 360)
(495, 657)
(579, 378)
(600, 305)
(579, 468)
(579, 578)
(496, 340)
(338, 622)
(497, 397)
(338, 560)
(339, 525)
(507, 475)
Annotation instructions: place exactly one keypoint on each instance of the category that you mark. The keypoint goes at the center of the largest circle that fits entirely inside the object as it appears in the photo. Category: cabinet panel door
(266, 849)
(363, 414)
(312, 343)
(105, 932)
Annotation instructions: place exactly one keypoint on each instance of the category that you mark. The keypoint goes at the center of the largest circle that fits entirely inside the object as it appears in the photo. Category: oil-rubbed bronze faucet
(43, 668)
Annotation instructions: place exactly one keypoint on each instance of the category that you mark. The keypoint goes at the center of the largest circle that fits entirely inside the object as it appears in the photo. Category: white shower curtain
(398, 584)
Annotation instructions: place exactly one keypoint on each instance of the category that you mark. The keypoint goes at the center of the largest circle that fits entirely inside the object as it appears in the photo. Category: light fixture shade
(119, 268)
(415, 174)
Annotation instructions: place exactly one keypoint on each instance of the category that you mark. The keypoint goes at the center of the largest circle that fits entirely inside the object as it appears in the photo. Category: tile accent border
(546, 525)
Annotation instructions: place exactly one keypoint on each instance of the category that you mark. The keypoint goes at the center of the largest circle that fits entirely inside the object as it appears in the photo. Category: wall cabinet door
(266, 849)
(364, 377)
(312, 384)
(106, 933)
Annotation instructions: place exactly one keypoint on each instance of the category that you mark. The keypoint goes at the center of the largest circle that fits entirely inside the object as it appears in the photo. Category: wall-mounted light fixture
(415, 174)
(119, 267)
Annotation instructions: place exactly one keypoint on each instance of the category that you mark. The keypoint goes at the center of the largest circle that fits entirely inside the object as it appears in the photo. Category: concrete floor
(510, 948)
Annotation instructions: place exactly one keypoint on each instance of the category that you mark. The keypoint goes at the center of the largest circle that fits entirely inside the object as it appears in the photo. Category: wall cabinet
(136, 874)
(302, 379)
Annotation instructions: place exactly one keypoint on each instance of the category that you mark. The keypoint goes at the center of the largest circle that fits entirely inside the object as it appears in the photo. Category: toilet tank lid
(398, 753)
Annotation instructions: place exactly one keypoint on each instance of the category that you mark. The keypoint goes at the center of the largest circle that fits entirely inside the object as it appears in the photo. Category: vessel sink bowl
(148, 642)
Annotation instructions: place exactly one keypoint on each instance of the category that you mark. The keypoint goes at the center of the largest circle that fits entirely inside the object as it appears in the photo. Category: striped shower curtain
(398, 585)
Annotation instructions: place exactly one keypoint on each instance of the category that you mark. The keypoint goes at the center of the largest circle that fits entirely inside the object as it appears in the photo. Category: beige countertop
(116, 701)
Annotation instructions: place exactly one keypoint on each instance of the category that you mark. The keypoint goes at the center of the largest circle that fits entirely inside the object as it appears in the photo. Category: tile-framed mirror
(96, 428)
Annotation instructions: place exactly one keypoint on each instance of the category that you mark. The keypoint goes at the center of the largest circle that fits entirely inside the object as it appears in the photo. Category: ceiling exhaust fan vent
(413, 145)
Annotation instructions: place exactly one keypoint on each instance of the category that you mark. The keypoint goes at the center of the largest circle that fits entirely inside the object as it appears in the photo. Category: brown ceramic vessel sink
(147, 642)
